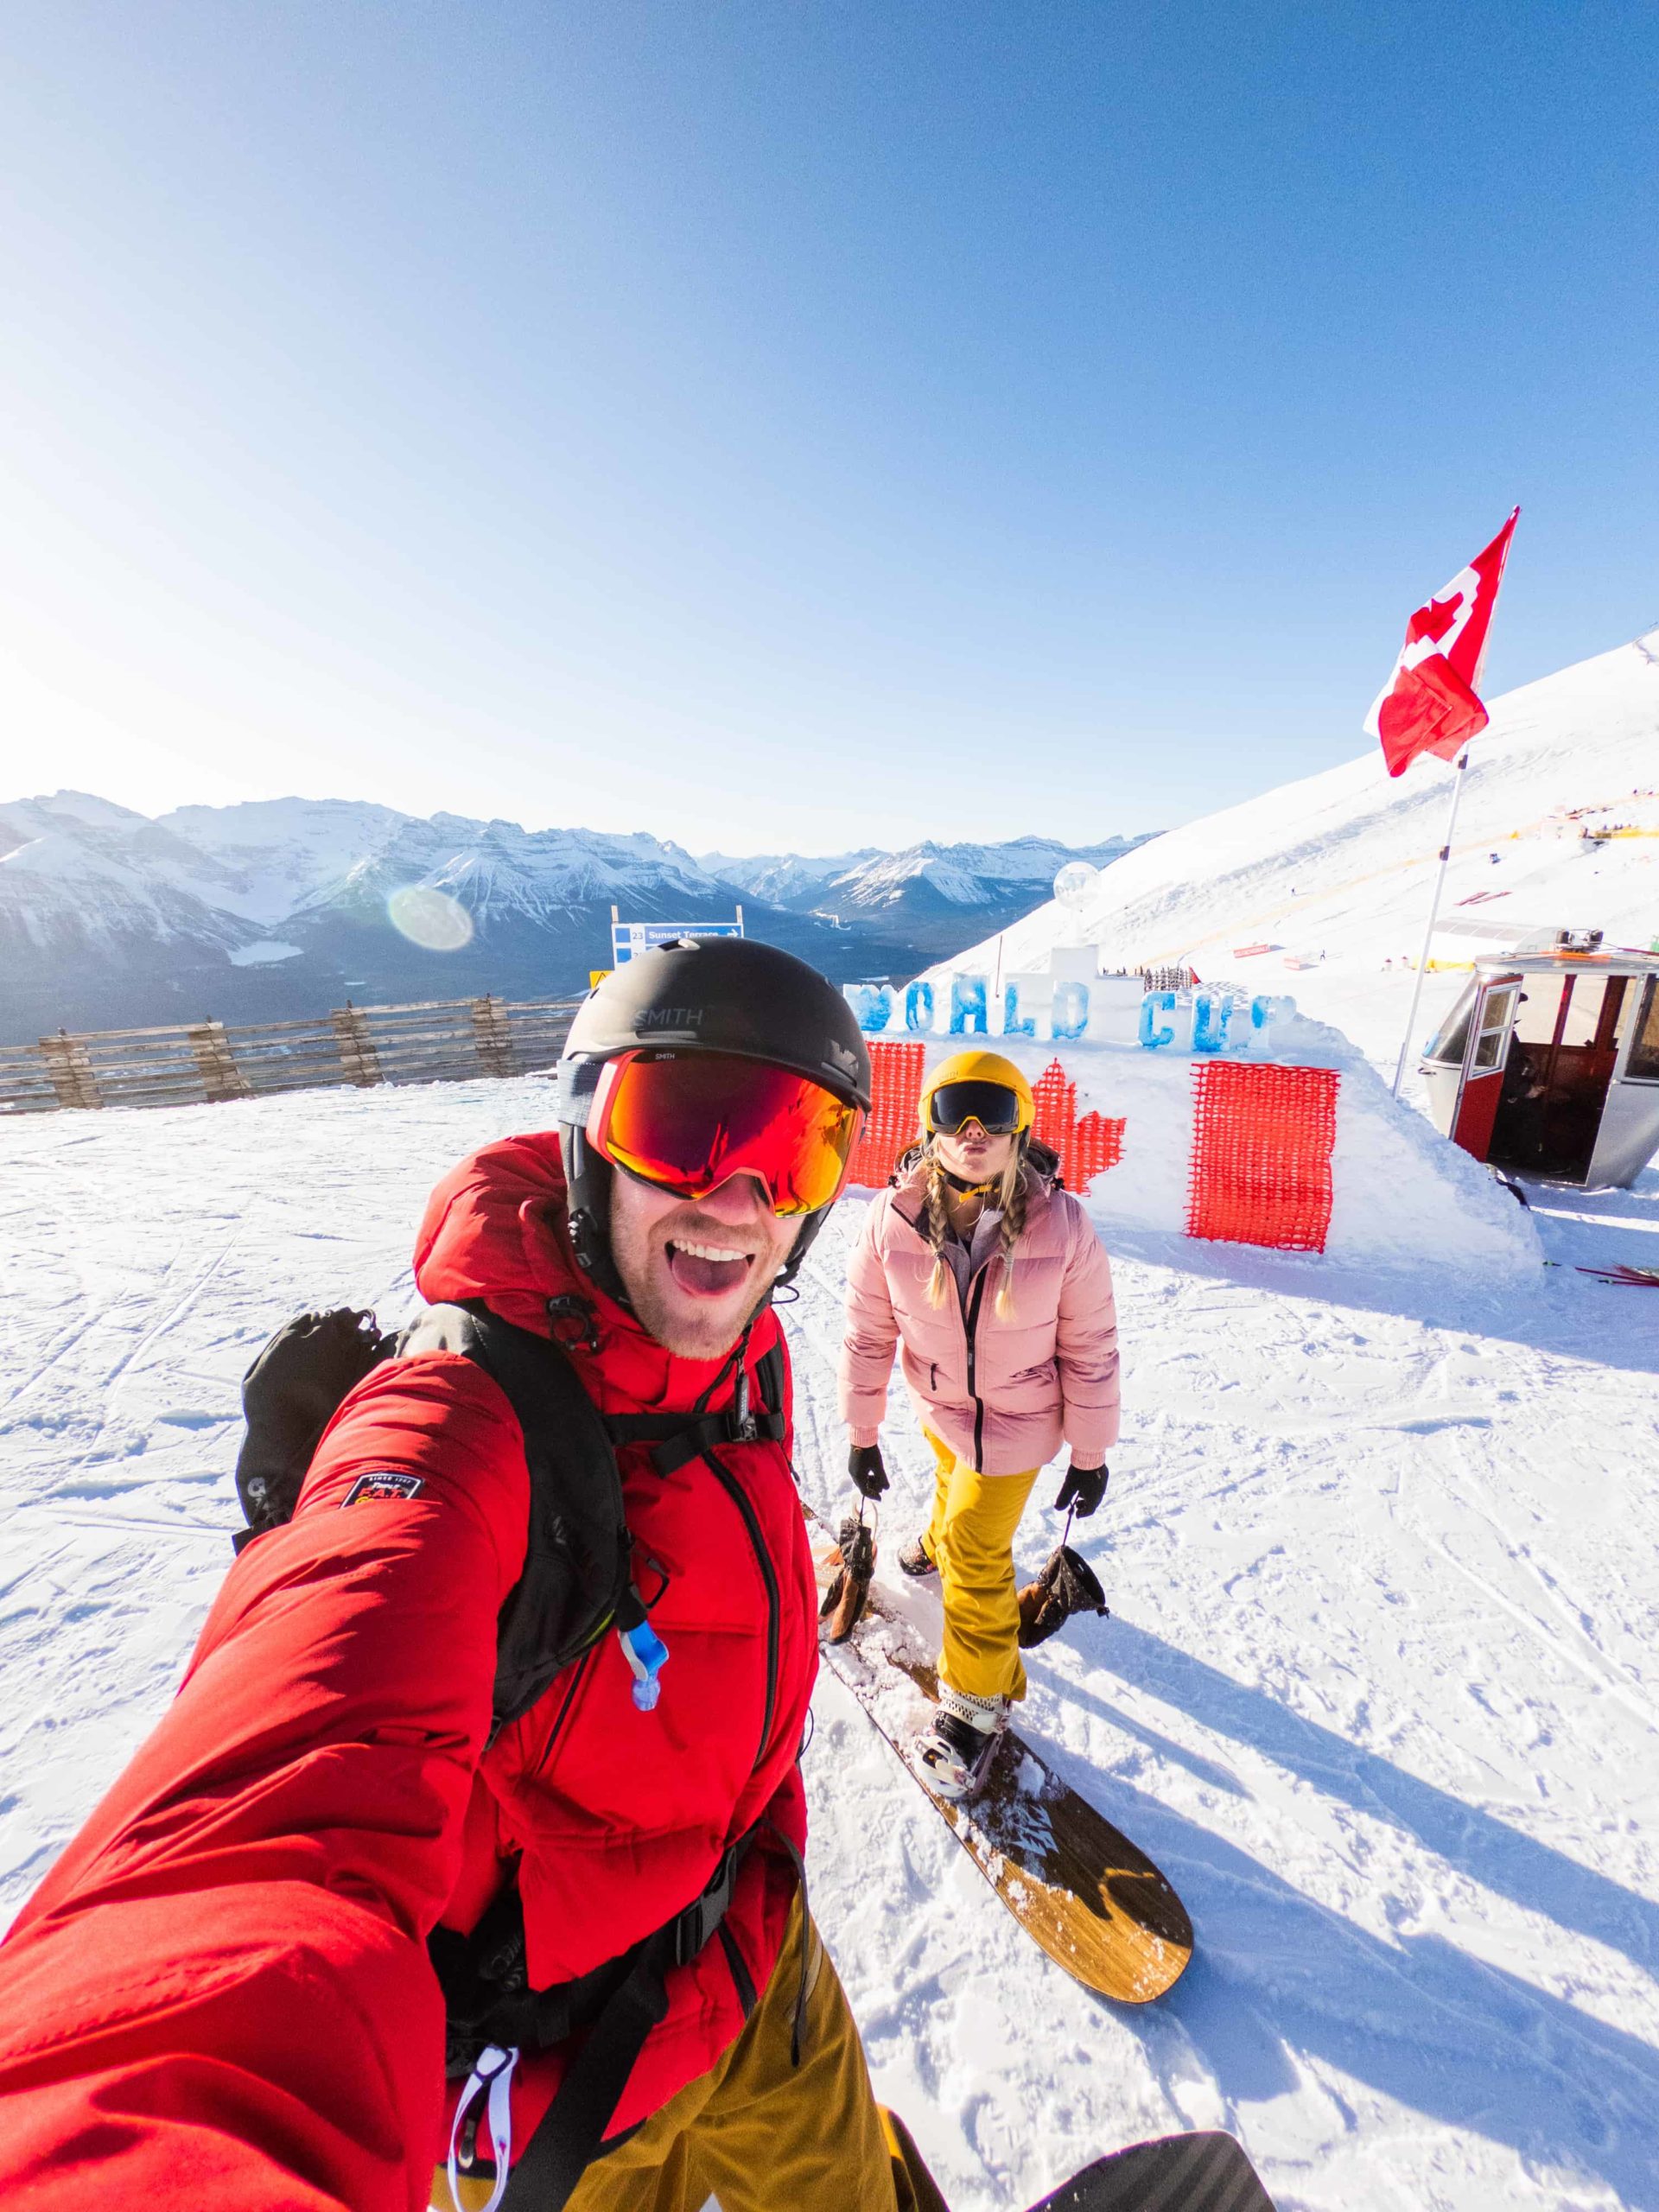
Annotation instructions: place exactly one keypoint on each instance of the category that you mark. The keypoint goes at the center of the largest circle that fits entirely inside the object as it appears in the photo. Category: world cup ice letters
(1067, 1009)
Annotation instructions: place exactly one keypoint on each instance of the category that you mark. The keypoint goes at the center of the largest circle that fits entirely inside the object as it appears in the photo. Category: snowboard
(1177, 2173)
(1086, 1895)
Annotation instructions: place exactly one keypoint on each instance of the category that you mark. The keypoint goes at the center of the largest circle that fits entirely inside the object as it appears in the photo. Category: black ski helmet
(723, 994)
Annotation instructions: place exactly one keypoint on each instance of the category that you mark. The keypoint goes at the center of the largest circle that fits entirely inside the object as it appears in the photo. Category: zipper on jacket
(739, 1498)
(970, 1323)
(578, 1676)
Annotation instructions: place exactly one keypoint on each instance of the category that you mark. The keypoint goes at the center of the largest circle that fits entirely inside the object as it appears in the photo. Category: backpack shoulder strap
(575, 1573)
(676, 1438)
(769, 1368)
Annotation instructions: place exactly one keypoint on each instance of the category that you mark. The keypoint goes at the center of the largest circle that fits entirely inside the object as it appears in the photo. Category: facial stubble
(638, 1248)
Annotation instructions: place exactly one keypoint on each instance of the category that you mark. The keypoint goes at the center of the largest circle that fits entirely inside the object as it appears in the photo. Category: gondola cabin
(1548, 1064)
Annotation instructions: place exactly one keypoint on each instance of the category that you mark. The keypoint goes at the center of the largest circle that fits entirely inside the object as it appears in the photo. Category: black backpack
(576, 1582)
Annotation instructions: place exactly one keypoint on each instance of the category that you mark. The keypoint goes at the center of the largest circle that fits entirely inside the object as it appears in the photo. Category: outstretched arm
(220, 1994)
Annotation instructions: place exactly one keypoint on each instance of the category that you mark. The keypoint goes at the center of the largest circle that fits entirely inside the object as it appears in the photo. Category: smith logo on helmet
(384, 1483)
(671, 1017)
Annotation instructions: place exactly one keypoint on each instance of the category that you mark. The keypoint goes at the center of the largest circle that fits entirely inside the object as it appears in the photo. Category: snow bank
(1400, 1195)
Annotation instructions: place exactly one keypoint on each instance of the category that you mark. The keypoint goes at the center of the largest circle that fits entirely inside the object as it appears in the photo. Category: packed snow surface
(1378, 1692)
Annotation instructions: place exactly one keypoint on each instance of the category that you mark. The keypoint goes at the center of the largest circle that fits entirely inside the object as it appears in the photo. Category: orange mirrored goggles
(689, 1121)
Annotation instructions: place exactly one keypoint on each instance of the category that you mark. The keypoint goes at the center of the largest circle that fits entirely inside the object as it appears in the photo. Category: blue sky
(787, 426)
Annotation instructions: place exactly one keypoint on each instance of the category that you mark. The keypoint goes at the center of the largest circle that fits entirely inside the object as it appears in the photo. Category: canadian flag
(1428, 704)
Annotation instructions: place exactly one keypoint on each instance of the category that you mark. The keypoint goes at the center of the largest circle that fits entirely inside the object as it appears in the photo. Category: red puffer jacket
(221, 1993)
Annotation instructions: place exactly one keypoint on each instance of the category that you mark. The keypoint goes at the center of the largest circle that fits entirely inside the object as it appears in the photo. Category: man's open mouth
(707, 1270)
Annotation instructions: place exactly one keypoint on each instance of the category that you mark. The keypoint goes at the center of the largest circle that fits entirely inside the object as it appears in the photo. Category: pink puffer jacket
(1001, 1393)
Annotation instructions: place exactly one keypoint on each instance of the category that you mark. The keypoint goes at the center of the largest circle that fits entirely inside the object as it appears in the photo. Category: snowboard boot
(843, 1601)
(916, 1560)
(1067, 1584)
(955, 1751)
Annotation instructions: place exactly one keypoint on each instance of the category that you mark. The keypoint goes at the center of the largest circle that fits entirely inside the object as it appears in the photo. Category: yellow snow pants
(971, 1540)
(760, 2134)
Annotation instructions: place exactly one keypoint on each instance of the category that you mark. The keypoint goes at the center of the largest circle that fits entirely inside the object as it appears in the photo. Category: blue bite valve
(646, 1654)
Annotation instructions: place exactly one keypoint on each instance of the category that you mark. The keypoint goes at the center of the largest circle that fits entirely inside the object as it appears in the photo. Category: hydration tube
(644, 1650)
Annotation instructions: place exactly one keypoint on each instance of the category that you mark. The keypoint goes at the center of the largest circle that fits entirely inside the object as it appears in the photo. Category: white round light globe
(1074, 887)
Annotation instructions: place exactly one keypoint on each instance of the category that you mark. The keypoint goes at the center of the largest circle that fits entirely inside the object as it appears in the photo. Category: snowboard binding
(954, 1752)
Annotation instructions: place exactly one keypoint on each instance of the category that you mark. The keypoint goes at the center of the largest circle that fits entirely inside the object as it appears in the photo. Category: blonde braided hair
(936, 1223)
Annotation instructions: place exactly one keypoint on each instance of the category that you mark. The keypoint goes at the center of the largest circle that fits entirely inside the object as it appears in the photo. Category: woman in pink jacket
(989, 1280)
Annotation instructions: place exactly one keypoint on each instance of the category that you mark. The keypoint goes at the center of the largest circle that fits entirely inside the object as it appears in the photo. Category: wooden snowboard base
(1083, 1892)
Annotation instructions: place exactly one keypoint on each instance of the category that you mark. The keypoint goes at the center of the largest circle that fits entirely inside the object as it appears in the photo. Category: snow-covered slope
(1379, 1689)
(1558, 826)
(269, 857)
(278, 858)
(77, 874)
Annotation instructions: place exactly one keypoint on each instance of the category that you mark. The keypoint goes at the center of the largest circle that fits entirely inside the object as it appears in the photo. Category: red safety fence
(1087, 1147)
(895, 1102)
(1261, 1143)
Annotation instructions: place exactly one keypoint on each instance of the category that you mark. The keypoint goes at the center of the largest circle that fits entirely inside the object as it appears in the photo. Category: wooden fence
(445, 1040)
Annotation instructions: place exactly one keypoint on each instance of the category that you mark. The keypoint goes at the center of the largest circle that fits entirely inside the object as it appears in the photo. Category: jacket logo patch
(384, 1483)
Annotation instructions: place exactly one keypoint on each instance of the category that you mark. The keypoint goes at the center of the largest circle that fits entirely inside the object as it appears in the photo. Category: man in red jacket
(222, 1995)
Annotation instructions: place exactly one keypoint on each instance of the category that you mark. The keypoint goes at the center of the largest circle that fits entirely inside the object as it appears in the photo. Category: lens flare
(430, 918)
(1075, 884)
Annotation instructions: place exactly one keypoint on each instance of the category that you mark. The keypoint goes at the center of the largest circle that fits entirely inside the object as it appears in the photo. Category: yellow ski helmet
(964, 1068)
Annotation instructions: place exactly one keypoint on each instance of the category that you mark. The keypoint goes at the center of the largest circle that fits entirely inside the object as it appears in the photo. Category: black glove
(864, 1465)
(1082, 1489)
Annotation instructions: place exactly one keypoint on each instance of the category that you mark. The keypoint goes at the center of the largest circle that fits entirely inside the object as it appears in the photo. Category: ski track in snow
(1378, 1692)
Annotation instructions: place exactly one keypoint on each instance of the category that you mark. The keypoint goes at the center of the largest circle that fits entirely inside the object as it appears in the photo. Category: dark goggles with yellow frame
(995, 1106)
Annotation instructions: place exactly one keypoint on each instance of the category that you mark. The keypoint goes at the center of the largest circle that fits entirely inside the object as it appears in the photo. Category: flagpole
(1433, 916)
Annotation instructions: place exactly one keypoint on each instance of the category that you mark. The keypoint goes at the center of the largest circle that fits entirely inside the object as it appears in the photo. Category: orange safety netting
(896, 1097)
(1087, 1147)
(1262, 1143)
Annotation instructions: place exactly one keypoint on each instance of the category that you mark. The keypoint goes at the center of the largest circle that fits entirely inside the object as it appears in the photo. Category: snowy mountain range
(110, 918)
(1321, 888)
(926, 891)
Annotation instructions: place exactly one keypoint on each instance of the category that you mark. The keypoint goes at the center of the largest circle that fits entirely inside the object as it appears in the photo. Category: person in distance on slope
(989, 1280)
(222, 1993)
